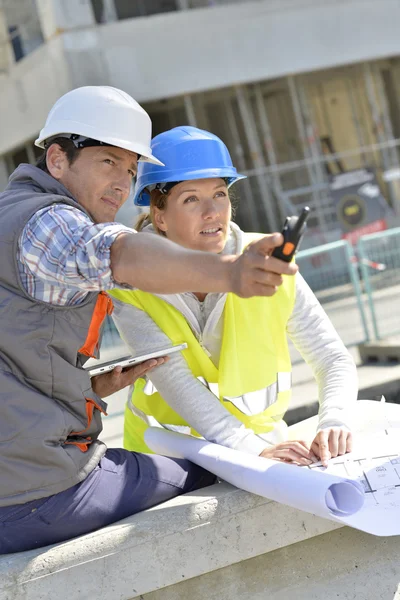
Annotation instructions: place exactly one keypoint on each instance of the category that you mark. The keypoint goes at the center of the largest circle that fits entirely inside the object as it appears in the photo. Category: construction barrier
(331, 270)
(379, 262)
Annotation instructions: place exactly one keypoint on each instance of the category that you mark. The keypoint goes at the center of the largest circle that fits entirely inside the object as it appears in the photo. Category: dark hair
(66, 146)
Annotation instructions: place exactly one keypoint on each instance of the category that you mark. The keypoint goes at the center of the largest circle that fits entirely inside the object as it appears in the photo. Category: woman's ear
(159, 219)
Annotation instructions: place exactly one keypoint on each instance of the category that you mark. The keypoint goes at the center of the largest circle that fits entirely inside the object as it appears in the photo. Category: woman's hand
(296, 452)
(331, 442)
(108, 383)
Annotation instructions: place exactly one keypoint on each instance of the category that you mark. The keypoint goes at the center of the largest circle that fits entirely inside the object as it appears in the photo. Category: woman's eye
(220, 194)
(109, 161)
(190, 199)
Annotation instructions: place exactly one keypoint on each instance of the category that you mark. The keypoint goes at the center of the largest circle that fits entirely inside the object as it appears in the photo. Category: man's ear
(56, 161)
(159, 219)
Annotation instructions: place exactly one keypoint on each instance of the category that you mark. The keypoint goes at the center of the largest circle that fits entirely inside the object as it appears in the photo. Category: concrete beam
(245, 42)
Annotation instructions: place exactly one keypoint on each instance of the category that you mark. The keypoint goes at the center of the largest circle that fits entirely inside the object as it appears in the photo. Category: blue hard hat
(187, 153)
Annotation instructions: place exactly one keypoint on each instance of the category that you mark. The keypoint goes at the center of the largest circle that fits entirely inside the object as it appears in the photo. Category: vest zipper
(200, 340)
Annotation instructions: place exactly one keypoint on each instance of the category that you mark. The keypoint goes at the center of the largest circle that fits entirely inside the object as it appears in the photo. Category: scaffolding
(339, 120)
(291, 135)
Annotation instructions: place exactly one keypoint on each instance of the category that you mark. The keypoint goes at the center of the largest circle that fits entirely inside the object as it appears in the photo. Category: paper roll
(309, 490)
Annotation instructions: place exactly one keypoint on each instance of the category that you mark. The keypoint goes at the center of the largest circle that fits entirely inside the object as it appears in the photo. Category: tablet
(130, 361)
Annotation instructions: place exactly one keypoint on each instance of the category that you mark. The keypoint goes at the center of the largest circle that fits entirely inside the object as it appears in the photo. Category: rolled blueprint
(313, 491)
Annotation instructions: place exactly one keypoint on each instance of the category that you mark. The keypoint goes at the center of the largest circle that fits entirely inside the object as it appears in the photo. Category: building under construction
(300, 90)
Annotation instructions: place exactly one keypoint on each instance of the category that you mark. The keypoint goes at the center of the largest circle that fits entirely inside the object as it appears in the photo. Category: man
(61, 250)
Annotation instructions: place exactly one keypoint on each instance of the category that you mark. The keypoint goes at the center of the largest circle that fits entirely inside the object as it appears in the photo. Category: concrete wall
(174, 53)
(23, 14)
(27, 93)
(168, 55)
(57, 16)
(344, 564)
(5, 46)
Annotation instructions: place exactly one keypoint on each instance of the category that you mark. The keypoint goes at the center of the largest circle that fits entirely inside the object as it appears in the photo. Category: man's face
(100, 178)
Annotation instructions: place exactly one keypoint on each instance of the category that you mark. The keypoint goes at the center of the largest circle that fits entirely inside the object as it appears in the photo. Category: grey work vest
(50, 417)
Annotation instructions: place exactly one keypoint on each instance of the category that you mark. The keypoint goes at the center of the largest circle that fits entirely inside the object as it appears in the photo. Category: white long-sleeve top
(308, 327)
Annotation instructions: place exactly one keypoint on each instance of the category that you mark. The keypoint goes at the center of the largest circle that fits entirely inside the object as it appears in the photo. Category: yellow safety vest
(254, 374)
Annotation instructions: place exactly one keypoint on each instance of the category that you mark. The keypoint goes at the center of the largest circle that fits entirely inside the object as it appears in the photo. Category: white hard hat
(104, 114)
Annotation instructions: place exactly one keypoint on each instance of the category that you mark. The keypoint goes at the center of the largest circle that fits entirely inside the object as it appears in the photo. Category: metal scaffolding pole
(381, 133)
(376, 116)
(200, 111)
(258, 160)
(306, 131)
(109, 12)
(239, 161)
(31, 154)
(189, 108)
(183, 4)
(356, 120)
(387, 123)
(270, 149)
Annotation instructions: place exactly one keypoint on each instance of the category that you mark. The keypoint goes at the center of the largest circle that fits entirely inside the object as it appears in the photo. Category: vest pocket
(83, 441)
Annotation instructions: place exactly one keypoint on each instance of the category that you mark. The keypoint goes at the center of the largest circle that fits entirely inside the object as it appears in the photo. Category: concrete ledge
(181, 539)
(220, 543)
(339, 565)
(383, 351)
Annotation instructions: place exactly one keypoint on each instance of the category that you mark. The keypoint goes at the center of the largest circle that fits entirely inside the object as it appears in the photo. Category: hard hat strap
(165, 188)
(79, 141)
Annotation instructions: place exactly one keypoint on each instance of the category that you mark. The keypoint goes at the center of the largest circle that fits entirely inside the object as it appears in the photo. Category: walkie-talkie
(293, 231)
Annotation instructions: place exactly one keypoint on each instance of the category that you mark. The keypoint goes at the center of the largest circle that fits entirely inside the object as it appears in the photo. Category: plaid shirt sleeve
(61, 246)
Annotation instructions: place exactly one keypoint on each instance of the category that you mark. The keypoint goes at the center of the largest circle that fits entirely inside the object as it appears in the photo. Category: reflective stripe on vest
(253, 378)
(249, 403)
(152, 422)
(253, 403)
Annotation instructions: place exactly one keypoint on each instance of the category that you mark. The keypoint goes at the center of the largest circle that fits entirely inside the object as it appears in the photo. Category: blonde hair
(157, 200)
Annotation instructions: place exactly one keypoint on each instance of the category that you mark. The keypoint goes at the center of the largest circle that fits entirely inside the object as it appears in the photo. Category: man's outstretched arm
(155, 264)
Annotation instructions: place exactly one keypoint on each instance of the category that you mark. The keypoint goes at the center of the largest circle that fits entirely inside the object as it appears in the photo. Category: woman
(232, 384)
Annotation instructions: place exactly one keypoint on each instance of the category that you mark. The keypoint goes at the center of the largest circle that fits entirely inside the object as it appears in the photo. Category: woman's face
(197, 214)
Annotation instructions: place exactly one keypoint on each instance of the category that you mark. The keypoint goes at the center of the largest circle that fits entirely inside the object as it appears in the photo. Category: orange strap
(83, 446)
(90, 406)
(103, 307)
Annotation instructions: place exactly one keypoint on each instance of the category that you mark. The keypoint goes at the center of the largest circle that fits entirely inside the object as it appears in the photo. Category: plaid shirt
(63, 255)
